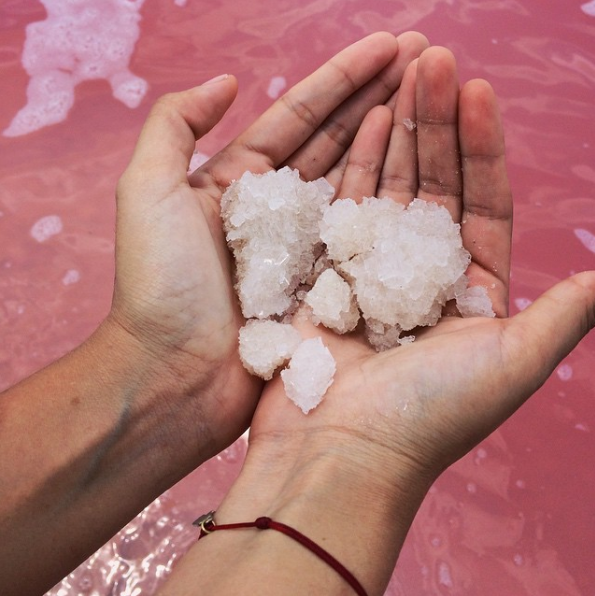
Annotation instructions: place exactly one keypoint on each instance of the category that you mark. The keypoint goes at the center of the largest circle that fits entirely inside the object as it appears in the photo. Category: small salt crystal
(409, 124)
(332, 302)
(475, 302)
(309, 375)
(267, 345)
(382, 337)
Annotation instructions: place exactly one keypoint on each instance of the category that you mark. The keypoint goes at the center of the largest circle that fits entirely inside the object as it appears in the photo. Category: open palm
(425, 404)
(173, 292)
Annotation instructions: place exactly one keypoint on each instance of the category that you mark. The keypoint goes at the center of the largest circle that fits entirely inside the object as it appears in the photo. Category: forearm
(329, 495)
(85, 444)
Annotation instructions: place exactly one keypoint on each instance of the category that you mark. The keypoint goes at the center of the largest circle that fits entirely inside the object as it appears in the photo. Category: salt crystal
(409, 124)
(382, 337)
(344, 231)
(405, 270)
(332, 302)
(398, 266)
(267, 345)
(309, 375)
(271, 221)
(475, 302)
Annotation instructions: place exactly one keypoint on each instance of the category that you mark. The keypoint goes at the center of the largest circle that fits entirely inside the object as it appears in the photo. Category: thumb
(538, 338)
(168, 137)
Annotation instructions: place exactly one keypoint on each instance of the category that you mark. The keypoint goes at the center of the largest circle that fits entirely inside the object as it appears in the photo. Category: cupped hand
(173, 292)
(411, 411)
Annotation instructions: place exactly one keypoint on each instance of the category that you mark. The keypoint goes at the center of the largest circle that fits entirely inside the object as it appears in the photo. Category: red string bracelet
(207, 524)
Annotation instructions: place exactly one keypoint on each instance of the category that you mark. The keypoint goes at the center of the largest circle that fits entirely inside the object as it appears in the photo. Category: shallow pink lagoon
(516, 517)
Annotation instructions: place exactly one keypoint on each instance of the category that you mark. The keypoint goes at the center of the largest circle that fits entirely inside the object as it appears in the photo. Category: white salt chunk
(475, 302)
(332, 303)
(267, 345)
(382, 337)
(271, 221)
(405, 271)
(397, 265)
(309, 375)
(409, 124)
(343, 230)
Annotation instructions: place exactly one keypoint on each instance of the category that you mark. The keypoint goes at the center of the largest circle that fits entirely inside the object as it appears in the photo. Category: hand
(353, 472)
(158, 389)
(173, 290)
(429, 402)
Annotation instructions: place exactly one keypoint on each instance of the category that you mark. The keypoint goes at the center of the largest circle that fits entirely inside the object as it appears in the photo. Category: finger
(437, 131)
(292, 119)
(486, 223)
(398, 179)
(335, 175)
(167, 140)
(539, 337)
(367, 155)
(336, 133)
(411, 45)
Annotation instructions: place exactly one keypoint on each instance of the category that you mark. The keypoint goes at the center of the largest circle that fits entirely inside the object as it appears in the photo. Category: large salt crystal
(267, 345)
(271, 221)
(309, 375)
(347, 228)
(406, 271)
(332, 302)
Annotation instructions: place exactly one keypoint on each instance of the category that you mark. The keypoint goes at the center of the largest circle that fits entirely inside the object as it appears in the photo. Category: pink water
(516, 516)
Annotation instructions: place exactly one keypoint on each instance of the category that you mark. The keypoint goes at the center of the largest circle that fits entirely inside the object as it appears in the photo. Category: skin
(158, 389)
(352, 474)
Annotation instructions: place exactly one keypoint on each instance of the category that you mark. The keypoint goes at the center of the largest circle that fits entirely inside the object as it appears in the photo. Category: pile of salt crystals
(395, 265)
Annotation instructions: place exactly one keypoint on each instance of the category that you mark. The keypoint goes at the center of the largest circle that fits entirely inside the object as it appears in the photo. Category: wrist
(158, 413)
(337, 495)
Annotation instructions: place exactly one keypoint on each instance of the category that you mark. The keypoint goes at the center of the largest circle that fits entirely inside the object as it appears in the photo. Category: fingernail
(216, 79)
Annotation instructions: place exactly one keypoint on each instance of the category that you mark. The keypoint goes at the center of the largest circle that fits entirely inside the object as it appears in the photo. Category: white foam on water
(522, 303)
(589, 8)
(46, 227)
(276, 86)
(80, 40)
(565, 372)
(72, 276)
(587, 239)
